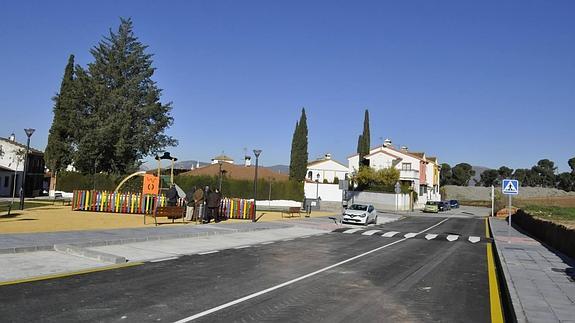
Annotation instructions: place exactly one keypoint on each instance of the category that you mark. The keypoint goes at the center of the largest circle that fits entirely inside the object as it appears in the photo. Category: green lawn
(16, 206)
(552, 212)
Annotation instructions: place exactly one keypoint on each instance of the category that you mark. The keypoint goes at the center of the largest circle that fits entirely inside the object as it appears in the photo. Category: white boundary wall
(327, 192)
(382, 201)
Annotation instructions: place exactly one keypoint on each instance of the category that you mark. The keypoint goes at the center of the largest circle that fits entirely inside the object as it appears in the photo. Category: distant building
(326, 168)
(242, 172)
(222, 158)
(421, 173)
(12, 168)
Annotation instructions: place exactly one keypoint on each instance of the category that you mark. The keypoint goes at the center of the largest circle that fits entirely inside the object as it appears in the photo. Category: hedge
(280, 190)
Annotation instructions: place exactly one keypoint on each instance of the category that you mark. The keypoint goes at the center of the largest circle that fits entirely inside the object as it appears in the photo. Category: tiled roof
(321, 160)
(237, 172)
(223, 157)
(382, 151)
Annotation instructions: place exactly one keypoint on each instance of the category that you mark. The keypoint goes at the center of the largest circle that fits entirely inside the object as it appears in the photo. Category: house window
(405, 166)
(310, 175)
(422, 190)
(6, 181)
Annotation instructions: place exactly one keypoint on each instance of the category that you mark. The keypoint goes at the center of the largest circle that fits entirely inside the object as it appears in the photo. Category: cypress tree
(366, 136)
(302, 143)
(293, 154)
(299, 154)
(363, 142)
(123, 119)
(59, 150)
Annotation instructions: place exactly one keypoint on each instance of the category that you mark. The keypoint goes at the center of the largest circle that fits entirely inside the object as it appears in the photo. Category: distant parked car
(454, 204)
(444, 206)
(360, 213)
(431, 207)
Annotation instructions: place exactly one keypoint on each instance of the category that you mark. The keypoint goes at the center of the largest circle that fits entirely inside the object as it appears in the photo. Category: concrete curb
(513, 296)
(99, 243)
(91, 254)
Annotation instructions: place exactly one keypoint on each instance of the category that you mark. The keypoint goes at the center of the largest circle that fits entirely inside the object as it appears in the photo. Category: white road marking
(208, 252)
(430, 236)
(474, 239)
(452, 237)
(265, 291)
(352, 230)
(370, 232)
(410, 235)
(389, 234)
(164, 259)
(268, 242)
(242, 247)
(287, 239)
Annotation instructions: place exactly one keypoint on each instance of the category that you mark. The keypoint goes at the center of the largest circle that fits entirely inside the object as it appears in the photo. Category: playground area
(56, 218)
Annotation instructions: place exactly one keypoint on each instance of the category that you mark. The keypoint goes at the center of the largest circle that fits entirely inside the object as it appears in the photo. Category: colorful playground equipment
(138, 203)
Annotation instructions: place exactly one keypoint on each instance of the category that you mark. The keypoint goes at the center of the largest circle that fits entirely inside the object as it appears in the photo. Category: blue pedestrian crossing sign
(510, 187)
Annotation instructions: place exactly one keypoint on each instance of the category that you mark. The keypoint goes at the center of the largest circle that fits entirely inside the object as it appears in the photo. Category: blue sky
(490, 83)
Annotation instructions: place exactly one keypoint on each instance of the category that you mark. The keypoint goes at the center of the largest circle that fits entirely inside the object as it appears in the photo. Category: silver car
(360, 214)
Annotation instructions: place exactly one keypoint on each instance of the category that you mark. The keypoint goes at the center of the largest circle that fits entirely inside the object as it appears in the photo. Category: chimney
(247, 161)
(327, 156)
(404, 149)
(387, 143)
(12, 137)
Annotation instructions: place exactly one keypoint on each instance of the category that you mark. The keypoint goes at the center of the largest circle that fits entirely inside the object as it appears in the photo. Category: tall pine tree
(363, 144)
(299, 153)
(123, 119)
(59, 150)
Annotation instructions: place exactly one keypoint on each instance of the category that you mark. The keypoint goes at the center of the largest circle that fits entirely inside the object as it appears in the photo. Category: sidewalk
(28, 242)
(540, 282)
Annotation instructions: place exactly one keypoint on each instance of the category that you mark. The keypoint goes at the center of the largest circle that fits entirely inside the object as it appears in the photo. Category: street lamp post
(29, 133)
(317, 186)
(270, 191)
(257, 152)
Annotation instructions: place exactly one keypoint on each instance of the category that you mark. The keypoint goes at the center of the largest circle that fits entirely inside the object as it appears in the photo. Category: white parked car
(360, 213)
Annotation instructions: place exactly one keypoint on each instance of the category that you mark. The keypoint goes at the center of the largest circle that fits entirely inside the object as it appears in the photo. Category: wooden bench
(292, 211)
(170, 212)
(60, 197)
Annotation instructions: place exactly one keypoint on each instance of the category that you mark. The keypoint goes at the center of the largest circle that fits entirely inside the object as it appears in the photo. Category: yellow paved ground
(54, 218)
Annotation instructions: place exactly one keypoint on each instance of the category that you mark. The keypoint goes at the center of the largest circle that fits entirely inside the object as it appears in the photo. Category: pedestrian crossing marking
(452, 237)
(352, 230)
(474, 239)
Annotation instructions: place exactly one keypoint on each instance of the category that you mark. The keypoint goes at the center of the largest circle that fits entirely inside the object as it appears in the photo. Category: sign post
(397, 191)
(492, 200)
(509, 187)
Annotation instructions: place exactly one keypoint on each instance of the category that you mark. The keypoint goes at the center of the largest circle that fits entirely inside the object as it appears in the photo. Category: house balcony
(408, 175)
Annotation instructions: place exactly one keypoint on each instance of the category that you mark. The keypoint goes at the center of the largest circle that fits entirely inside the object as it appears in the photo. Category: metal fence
(138, 203)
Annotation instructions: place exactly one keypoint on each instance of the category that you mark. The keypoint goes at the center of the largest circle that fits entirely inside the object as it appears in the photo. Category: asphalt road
(335, 277)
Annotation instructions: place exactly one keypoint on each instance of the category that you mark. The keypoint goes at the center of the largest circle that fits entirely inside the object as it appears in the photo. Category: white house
(323, 170)
(12, 167)
(326, 168)
(414, 168)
